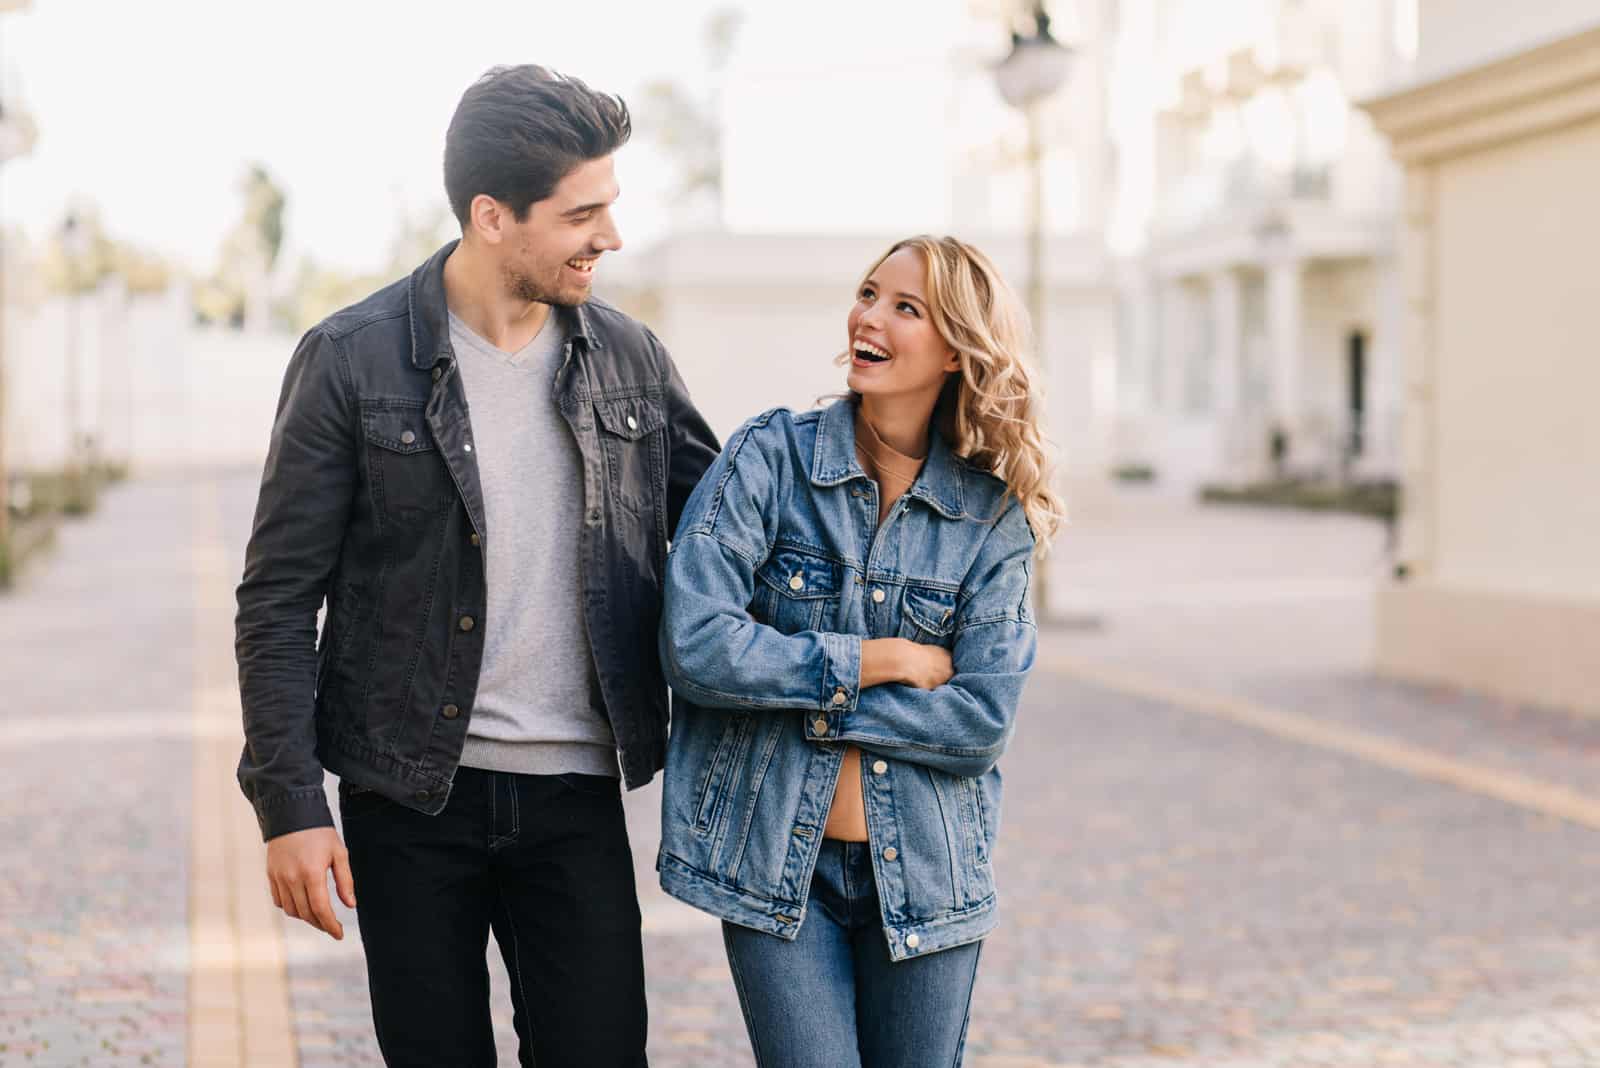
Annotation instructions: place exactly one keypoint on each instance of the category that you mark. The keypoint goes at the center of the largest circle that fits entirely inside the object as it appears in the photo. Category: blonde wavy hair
(991, 412)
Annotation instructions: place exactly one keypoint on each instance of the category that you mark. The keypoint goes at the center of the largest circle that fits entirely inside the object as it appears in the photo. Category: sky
(152, 110)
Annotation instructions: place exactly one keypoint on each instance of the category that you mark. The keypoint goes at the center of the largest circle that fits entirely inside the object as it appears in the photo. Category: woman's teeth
(869, 352)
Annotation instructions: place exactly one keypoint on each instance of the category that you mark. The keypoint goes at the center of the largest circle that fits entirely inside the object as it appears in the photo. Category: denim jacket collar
(834, 461)
(430, 334)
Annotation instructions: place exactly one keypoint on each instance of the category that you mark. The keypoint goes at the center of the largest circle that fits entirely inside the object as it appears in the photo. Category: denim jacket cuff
(841, 686)
(297, 810)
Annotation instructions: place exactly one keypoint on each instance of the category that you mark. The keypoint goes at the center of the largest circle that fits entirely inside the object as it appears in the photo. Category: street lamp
(1035, 68)
(74, 246)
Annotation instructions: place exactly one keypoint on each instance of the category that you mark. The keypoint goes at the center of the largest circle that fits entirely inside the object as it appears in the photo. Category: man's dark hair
(519, 130)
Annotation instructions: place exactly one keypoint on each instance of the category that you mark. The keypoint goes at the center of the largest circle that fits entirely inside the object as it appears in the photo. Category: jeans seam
(961, 1044)
(744, 998)
(516, 966)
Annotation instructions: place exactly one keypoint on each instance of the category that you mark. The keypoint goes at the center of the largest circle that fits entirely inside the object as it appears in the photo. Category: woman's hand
(927, 667)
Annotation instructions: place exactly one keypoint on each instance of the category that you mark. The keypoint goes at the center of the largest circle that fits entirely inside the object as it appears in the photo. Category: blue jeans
(832, 998)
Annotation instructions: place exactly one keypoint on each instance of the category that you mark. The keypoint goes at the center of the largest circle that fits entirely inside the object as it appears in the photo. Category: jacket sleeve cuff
(297, 810)
(841, 686)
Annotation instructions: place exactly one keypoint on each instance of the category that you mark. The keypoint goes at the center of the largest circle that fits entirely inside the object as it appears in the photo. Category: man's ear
(489, 218)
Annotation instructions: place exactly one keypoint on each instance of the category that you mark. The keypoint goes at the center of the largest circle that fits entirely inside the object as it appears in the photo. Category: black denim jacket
(371, 499)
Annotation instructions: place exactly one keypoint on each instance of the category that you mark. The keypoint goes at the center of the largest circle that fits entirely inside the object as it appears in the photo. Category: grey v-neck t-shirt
(538, 709)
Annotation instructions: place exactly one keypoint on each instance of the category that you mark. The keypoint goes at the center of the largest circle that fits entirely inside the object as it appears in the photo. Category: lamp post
(1035, 68)
(74, 245)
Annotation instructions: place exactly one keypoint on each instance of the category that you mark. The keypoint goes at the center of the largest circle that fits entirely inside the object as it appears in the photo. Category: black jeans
(543, 861)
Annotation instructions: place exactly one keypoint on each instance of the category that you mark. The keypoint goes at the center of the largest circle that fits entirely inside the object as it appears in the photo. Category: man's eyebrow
(582, 209)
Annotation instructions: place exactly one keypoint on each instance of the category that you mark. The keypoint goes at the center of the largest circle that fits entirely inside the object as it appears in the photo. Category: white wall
(1518, 443)
(154, 389)
(1455, 34)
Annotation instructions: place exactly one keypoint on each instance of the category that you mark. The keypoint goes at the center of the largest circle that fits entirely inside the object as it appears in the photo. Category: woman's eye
(907, 306)
(867, 294)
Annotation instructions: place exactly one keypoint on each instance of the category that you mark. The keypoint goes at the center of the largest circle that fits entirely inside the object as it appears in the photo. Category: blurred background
(1310, 771)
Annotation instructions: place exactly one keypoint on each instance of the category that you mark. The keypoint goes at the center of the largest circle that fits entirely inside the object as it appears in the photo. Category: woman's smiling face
(894, 347)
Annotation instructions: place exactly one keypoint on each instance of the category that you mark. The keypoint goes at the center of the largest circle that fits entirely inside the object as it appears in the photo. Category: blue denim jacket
(778, 571)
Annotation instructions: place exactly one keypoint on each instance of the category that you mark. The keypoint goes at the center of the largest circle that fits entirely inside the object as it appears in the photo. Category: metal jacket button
(450, 711)
(797, 583)
(820, 725)
(879, 767)
(839, 698)
(633, 424)
(877, 596)
(407, 438)
(467, 623)
(891, 853)
(912, 941)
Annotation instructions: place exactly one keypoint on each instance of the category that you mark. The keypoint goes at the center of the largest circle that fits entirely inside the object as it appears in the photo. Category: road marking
(238, 980)
(1513, 789)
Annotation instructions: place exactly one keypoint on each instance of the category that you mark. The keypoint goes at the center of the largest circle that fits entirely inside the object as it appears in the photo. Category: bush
(1379, 499)
(1133, 473)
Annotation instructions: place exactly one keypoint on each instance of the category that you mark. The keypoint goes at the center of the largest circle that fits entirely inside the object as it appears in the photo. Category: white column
(1171, 348)
(1225, 364)
(1385, 375)
(1285, 335)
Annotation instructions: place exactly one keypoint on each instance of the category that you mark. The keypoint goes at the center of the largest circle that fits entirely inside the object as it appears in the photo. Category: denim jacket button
(820, 725)
(450, 711)
(467, 623)
(879, 767)
(408, 437)
(890, 854)
(912, 941)
(839, 698)
(797, 583)
(877, 596)
(633, 424)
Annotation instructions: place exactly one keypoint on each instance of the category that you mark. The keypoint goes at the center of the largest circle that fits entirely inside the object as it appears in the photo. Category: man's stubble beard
(522, 286)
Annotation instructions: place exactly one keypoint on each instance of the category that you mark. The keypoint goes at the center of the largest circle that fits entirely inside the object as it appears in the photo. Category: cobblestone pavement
(1177, 889)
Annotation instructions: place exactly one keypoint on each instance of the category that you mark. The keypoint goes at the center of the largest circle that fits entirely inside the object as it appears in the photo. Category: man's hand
(927, 667)
(297, 871)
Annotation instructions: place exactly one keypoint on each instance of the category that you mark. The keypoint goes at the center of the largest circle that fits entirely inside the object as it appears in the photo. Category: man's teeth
(583, 265)
(870, 351)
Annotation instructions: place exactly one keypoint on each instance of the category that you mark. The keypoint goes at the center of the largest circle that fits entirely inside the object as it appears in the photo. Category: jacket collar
(834, 461)
(430, 332)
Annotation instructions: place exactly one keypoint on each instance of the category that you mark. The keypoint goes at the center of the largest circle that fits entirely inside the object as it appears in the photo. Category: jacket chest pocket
(928, 615)
(796, 591)
(632, 444)
(410, 482)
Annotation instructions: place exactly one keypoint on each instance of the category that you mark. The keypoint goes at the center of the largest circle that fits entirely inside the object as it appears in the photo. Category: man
(478, 468)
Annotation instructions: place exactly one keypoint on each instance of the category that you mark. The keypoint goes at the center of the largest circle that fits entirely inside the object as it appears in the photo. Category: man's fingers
(277, 900)
(322, 908)
(343, 880)
(302, 903)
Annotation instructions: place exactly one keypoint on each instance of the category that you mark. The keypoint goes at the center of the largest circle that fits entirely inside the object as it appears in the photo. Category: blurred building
(843, 131)
(1500, 141)
(1261, 298)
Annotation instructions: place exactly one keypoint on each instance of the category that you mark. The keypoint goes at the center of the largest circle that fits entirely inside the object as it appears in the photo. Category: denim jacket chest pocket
(928, 615)
(632, 440)
(409, 480)
(797, 591)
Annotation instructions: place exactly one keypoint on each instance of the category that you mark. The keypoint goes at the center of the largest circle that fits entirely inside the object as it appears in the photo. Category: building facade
(1261, 306)
(1500, 141)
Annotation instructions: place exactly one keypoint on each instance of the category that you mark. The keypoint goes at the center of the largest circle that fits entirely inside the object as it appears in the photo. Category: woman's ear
(953, 363)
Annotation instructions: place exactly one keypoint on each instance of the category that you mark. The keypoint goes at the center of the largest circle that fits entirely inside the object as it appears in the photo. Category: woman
(847, 631)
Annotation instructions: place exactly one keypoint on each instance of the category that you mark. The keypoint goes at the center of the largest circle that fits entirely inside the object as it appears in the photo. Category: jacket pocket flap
(931, 609)
(402, 430)
(630, 417)
(800, 575)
